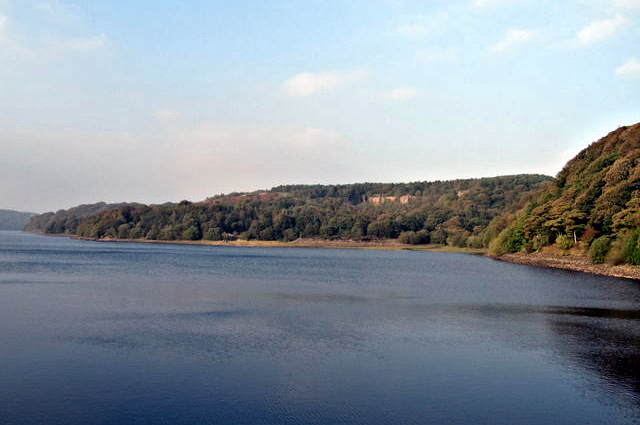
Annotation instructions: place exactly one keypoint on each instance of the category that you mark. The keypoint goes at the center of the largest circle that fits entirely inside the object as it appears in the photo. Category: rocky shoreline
(571, 262)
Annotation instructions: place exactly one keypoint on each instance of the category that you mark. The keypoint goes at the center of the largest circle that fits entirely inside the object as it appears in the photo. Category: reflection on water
(127, 333)
(609, 350)
(604, 342)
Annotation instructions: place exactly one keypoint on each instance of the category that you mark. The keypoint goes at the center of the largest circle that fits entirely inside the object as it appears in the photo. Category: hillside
(14, 220)
(66, 221)
(454, 212)
(593, 207)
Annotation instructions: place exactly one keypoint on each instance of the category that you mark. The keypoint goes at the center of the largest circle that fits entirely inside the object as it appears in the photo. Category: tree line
(457, 212)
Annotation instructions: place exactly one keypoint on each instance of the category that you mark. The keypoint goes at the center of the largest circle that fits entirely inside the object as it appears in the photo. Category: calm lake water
(116, 333)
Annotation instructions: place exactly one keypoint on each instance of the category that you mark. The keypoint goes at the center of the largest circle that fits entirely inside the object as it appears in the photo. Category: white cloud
(627, 4)
(416, 30)
(167, 114)
(600, 30)
(309, 83)
(630, 69)
(435, 55)
(3, 20)
(86, 44)
(402, 93)
(512, 39)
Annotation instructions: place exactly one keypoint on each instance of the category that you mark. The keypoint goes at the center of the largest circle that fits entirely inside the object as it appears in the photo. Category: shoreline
(577, 263)
(386, 244)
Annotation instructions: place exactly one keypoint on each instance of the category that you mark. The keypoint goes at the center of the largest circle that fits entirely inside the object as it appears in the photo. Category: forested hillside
(14, 220)
(66, 221)
(454, 212)
(593, 206)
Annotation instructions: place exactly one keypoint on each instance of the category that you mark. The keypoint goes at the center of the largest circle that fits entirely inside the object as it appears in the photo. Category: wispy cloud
(512, 39)
(308, 83)
(401, 93)
(435, 55)
(600, 30)
(630, 69)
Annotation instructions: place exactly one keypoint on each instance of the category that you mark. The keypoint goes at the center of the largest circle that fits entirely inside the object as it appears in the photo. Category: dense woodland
(593, 205)
(66, 221)
(451, 212)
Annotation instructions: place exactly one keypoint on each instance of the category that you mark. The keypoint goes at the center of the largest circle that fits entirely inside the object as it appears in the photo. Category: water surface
(116, 333)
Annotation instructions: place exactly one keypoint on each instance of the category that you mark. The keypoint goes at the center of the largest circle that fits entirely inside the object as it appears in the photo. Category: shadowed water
(114, 333)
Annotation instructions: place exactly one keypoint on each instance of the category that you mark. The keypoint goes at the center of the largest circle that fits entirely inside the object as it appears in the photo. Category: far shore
(383, 244)
(578, 263)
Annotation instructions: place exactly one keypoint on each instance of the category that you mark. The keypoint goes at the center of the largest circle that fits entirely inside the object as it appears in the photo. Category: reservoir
(119, 333)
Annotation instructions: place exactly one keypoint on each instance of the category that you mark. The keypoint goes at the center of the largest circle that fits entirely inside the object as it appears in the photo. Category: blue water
(117, 333)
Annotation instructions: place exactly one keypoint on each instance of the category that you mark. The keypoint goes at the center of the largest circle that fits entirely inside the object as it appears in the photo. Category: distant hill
(66, 221)
(594, 204)
(14, 220)
(455, 212)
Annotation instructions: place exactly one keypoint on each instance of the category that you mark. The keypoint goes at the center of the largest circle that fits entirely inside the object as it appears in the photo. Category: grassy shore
(384, 244)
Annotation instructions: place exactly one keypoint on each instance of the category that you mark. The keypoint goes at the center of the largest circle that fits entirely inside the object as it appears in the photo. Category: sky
(156, 101)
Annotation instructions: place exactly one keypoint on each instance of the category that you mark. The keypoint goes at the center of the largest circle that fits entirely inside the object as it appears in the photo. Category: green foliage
(539, 241)
(457, 239)
(599, 249)
(564, 242)
(510, 239)
(616, 254)
(632, 249)
(475, 242)
(412, 238)
(419, 212)
(192, 233)
(597, 193)
(123, 231)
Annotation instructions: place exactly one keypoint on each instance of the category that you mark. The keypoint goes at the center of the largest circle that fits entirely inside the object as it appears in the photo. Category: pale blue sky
(155, 101)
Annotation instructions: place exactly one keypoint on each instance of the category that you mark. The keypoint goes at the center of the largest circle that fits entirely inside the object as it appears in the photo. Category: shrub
(214, 234)
(616, 252)
(410, 238)
(457, 239)
(413, 238)
(599, 249)
(192, 233)
(564, 242)
(123, 231)
(475, 242)
(539, 241)
(510, 239)
(632, 248)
